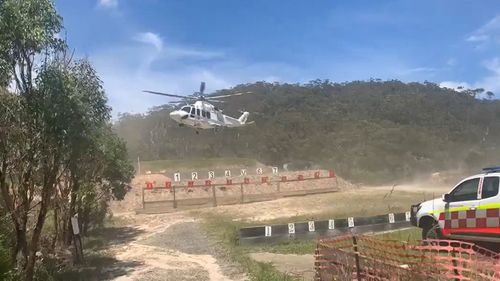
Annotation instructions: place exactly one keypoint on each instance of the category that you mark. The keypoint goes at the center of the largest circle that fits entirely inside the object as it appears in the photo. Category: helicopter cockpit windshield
(186, 109)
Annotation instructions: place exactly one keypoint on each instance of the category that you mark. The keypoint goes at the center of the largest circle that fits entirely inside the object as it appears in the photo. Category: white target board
(391, 218)
(350, 222)
(268, 231)
(331, 224)
(275, 170)
(311, 226)
(194, 175)
(408, 216)
(259, 171)
(177, 177)
(243, 172)
(227, 173)
(291, 228)
(211, 175)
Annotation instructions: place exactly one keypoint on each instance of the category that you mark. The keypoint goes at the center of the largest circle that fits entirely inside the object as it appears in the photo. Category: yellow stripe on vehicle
(467, 208)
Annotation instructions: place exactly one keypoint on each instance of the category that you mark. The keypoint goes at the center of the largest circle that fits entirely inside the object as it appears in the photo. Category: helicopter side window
(203, 113)
(186, 109)
(208, 114)
(198, 112)
(192, 112)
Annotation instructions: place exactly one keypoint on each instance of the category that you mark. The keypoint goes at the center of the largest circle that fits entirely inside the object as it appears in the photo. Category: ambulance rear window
(490, 187)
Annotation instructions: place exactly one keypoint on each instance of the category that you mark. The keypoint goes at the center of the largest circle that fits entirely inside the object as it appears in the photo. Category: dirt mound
(133, 200)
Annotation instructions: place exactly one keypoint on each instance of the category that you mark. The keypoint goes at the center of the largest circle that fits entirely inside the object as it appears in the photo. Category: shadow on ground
(100, 263)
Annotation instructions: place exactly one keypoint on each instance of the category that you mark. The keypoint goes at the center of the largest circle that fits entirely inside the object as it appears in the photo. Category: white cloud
(107, 3)
(490, 82)
(455, 85)
(488, 33)
(150, 38)
(128, 69)
(451, 61)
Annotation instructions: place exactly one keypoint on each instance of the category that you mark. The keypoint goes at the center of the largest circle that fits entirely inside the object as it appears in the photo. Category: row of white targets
(331, 224)
(227, 174)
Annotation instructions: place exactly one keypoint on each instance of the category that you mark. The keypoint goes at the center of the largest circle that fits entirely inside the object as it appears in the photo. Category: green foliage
(371, 131)
(5, 262)
(27, 27)
(227, 231)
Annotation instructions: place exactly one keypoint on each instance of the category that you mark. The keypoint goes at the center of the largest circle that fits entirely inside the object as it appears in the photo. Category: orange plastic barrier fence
(368, 258)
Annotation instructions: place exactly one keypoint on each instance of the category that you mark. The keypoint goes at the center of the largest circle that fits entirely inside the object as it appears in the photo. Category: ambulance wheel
(431, 232)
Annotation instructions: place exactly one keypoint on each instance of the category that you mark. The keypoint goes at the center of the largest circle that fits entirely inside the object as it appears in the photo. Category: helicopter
(201, 113)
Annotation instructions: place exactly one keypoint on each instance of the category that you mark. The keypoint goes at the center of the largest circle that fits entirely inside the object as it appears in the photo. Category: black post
(356, 257)
(81, 247)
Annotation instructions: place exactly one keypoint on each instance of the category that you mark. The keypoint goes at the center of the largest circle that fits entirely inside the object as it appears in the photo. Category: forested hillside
(370, 131)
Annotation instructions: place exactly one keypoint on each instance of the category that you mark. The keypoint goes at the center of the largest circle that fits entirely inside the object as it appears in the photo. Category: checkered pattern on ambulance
(482, 220)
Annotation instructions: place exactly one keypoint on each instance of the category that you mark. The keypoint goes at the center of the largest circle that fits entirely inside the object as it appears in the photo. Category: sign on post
(194, 175)
(211, 175)
(350, 222)
(74, 224)
(243, 172)
(227, 173)
(177, 177)
(391, 218)
(275, 170)
(331, 224)
(268, 231)
(408, 216)
(311, 226)
(259, 171)
(291, 228)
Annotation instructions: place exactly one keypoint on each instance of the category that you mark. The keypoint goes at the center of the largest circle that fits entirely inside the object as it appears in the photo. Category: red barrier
(300, 177)
(149, 185)
(264, 179)
(331, 174)
(168, 184)
(246, 180)
(208, 183)
(317, 175)
(229, 181)
(283, 178)
(190, 183)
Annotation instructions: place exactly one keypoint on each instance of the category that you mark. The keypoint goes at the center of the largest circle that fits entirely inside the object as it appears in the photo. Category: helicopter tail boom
(243, 118)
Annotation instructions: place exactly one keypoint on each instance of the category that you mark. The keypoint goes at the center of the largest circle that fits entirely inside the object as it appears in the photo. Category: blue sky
(172, 45)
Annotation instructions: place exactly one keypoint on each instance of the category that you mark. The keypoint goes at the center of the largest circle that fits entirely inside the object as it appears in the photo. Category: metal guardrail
(324, 228)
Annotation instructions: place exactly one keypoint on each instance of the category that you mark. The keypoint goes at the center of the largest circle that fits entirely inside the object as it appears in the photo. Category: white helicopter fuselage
(203, 115)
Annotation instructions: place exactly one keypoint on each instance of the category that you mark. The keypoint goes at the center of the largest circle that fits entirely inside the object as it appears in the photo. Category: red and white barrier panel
(229, 181)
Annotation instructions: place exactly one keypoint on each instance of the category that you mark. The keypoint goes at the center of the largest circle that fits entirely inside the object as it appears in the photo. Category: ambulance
(470, 211)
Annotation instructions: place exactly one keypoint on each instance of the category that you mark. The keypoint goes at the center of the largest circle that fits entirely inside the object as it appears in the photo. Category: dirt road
(173, 247)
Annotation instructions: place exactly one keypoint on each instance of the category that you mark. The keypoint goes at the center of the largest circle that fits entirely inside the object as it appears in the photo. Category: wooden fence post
(356, 257)
(242, 194)
(143, 203)
(215, 197)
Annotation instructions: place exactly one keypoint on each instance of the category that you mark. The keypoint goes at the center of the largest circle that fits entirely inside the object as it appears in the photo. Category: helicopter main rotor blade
(226, 96)
(165, 94)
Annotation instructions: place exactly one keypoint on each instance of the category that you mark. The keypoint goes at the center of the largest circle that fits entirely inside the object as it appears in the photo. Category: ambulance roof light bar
(491, 169)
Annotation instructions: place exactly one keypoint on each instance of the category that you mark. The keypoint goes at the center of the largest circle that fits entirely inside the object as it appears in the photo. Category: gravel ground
(174, 247)
(189, 238)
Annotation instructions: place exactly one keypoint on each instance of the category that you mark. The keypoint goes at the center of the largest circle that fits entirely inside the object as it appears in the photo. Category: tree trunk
(48, 187)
